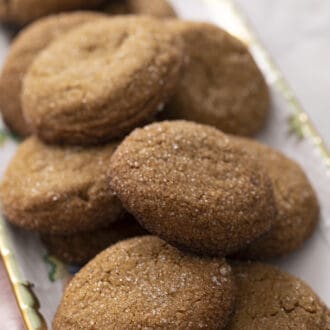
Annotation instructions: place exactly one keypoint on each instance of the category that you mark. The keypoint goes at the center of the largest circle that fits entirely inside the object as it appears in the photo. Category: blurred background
(297, 35)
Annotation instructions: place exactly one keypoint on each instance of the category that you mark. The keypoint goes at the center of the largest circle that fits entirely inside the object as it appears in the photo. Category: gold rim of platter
(26, 300)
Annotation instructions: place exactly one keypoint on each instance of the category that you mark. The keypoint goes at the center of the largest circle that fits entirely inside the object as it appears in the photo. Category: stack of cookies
(104, 165)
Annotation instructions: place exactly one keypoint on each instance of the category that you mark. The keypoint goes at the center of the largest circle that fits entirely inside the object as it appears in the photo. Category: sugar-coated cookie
(144, 283)
(221, 85)
(59, 190)
(296, 202)
(190, 185)
(26, 46)
(92, 89)
(268, 298)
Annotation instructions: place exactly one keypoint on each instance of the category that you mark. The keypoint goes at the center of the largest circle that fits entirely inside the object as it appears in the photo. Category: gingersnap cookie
(158, 8)
(93, 89)
(221, 85)
(26, 46)
(59, 190)
(193, 187)
(296, 203)
(268, 298)
(79, 248)
(21, 12)
(144, 283)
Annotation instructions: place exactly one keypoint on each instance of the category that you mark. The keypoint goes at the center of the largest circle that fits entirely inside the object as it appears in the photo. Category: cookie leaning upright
(268, 298)
(221, 85)
(21, 12)
(93, 89)
(296, 202)
(59, 190)
(26, 46)
(192, 186)
(144, 283)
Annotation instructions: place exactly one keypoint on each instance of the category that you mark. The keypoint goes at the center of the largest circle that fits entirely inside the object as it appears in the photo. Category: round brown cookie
(221, 85)
(59, 190)
(193, 187)
(147, 284)
(296, 203)
(268, 299)
(93, 89)
(26, 46)
(81, 247)
(21, 12)
(158, 8)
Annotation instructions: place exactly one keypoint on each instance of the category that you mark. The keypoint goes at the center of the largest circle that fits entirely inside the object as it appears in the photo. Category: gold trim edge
(26, 299)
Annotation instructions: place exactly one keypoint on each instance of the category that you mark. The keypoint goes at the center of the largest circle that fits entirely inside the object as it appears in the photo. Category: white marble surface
(297, 35)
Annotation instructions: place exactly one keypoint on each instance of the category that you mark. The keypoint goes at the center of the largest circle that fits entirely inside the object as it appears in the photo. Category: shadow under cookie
(79, 248)
(157, 8)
